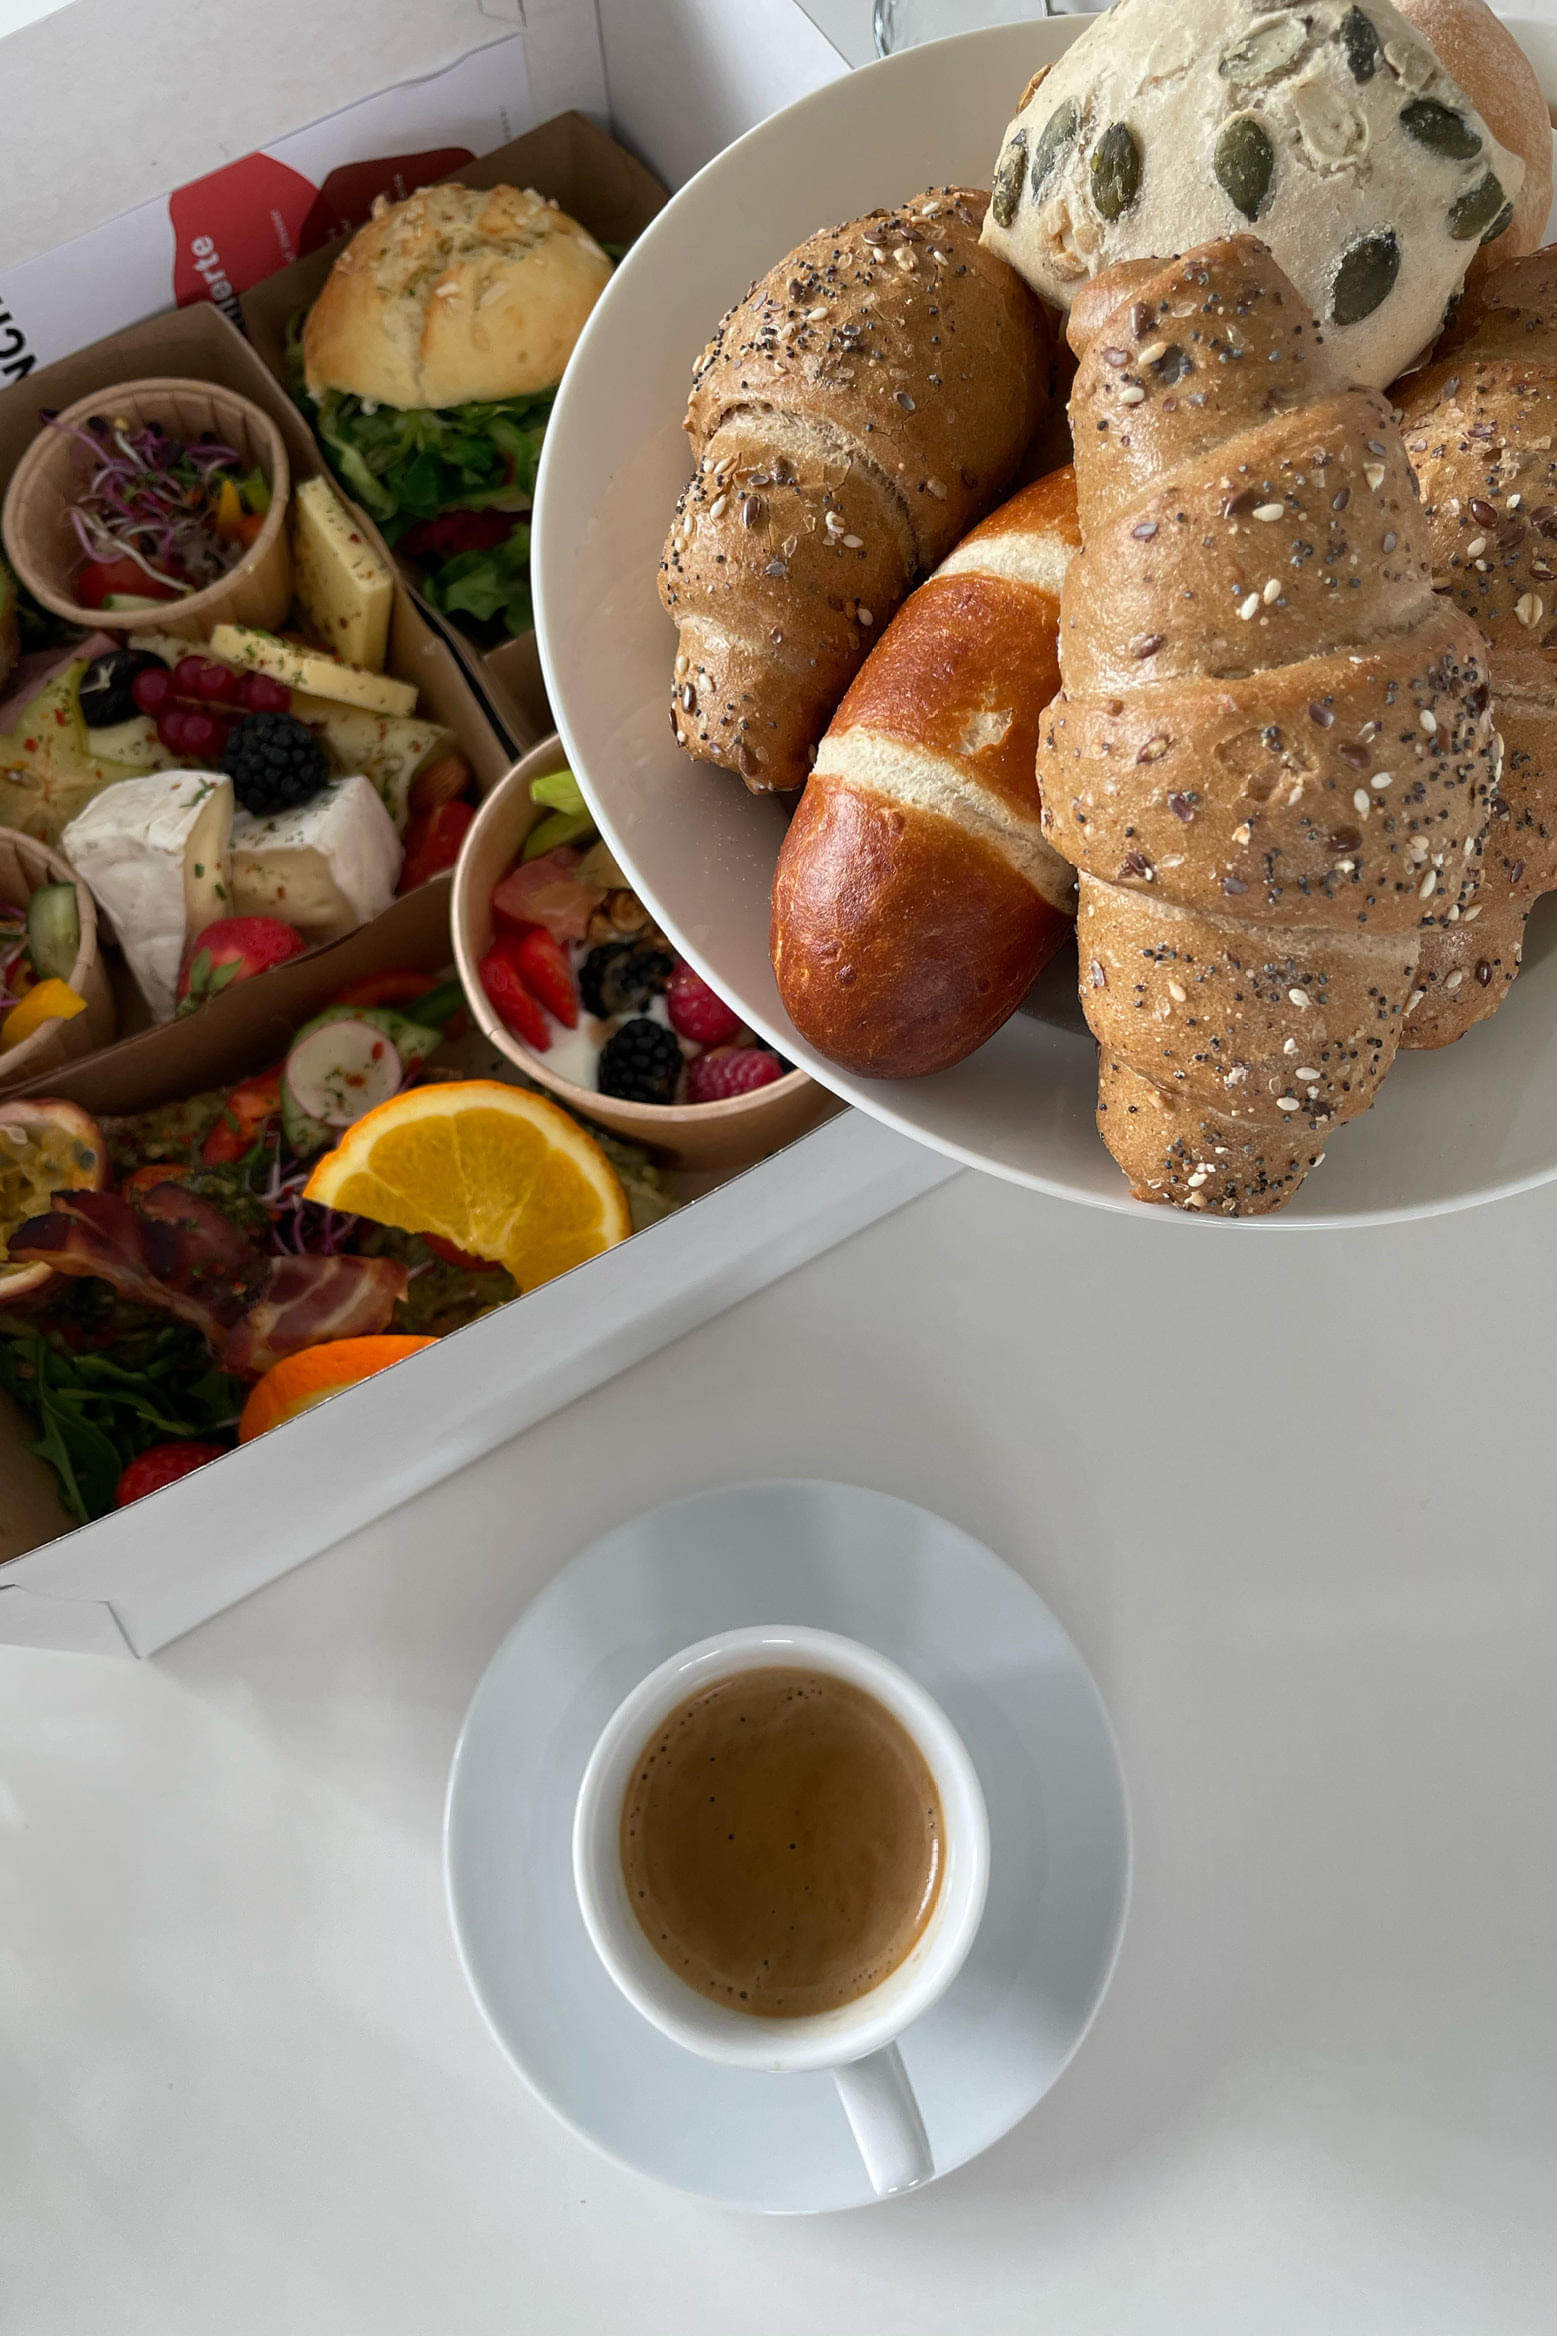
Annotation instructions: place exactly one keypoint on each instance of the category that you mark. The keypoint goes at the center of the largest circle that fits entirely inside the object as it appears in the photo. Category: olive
(1440, 129)
(1360, 43)
(1058, 131)
(1474, 213)
(1365, 277)
(1006, 189)
(1116, 170)
(107, 683)
(1244, 162)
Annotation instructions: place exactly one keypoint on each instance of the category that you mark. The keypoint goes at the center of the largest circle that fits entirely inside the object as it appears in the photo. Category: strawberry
(543, 967)
(731, 1070)
(696, 1011)
(504, 985)
(234, 949)
(432, 842)
(163, 1464)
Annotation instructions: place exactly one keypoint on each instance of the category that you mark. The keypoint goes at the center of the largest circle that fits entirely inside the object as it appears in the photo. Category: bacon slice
(177, 1252)
(308, 1299)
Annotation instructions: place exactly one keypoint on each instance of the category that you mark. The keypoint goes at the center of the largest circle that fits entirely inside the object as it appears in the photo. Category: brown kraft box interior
(608, 191)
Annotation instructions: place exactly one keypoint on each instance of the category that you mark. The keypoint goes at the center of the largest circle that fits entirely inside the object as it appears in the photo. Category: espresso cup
(856, 2041)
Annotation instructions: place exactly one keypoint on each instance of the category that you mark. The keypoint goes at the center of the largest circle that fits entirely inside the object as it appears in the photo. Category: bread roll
(1480, 425)
(915, 899)
(1332, 130)
(1477, 49)
(1273, 757)
(854, 414)
(456, 295)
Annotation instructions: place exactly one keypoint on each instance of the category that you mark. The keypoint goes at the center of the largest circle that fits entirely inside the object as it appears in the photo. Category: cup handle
(883, 2115)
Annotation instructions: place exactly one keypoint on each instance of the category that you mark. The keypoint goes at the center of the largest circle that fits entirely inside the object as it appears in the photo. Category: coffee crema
(782, 1842)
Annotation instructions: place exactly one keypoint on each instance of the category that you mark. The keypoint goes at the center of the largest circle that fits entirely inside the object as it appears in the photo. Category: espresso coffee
(781, 1842)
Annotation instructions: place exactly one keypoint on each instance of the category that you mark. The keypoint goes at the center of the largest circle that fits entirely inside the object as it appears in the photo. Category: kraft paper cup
(43, 546)
(688, 1135)
(24, 865)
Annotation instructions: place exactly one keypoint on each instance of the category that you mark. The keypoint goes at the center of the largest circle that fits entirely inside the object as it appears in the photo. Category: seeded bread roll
(853, 416)
(1332, 129)
(1272, 759)
(1477, 49)
(915, 900)
(1480, 426)
(458, 294)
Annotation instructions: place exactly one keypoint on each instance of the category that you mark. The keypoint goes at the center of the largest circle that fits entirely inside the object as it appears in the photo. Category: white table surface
(1292, 1494)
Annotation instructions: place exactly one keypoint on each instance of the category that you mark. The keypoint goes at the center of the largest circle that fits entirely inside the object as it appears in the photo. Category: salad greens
(97, 1409)
(487, 584)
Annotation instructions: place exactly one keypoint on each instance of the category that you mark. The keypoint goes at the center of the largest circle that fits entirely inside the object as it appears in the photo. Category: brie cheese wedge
(326, 867)
(153, 852)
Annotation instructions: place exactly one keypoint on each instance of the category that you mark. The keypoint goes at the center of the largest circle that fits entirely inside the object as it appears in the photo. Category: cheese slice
(346, 591)
(309, 669)
(154, 853)
(327, 867)
(388, 749)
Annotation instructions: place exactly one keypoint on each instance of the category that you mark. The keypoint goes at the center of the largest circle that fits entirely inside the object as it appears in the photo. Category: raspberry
(731, 1070)
(697, 1011)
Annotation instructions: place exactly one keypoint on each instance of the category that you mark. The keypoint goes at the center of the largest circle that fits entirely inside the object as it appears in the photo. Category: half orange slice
(496, 1170)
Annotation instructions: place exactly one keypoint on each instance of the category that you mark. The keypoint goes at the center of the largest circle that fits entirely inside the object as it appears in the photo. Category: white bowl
(1450, 1129)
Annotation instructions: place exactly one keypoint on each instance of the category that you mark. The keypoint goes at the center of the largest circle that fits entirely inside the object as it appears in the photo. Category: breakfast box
(132, 1580)
(608, 191)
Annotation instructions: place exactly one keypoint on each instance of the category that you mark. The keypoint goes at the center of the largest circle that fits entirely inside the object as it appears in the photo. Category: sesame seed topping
(1362, 801)
(1382, 779)
(1177, 992)
(1471, 914)
(716, 507)
(1429, 884)
(1529, 608)
(1475, 548)
(1299, 997)
(1272, 591)
(1288, 1103)
(1373, 472)
(1290, 1047)
(853, 543)
(1250, 607)
(1154, 352)
(936, 487)
(1454, 980)
(813, 313)
(1308, 1077)
(1270, 511)
(1415, 1000)
(864, 616)
(1429, 720)
(1514, 502)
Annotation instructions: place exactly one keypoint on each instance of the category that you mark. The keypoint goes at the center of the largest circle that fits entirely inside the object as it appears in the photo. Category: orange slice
(306, 1378)
(494, 1169)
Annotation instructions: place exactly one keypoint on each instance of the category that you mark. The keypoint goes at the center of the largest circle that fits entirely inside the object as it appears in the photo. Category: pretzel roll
(1272, 759)
(915, 899)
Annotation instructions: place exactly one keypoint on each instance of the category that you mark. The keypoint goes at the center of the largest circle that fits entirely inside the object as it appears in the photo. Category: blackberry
(274, 762)
(620, 977)
(640, 1063)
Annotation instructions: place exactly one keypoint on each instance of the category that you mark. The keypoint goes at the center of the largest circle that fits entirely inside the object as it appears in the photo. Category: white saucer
(841, 1558)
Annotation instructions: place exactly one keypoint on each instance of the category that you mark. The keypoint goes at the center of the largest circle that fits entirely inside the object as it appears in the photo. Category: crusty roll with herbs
(1273, 756)
(853, 416)
(1480, 426)
(915, 898)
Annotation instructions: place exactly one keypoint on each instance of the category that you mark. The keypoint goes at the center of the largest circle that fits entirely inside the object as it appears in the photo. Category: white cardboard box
(681, 78)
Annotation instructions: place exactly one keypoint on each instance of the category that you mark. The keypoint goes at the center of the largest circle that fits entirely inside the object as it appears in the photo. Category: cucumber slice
(54, 931)
(118, 602)
(558, 827)
(334, 1073)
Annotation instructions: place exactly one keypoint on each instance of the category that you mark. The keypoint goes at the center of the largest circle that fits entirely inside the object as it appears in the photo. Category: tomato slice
(397, 985)
(249, 1105)
(100, 580)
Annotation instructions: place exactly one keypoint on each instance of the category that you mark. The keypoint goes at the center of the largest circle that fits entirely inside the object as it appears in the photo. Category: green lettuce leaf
(488, 584)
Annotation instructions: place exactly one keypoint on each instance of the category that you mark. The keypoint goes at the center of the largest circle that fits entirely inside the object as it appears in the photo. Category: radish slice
(341, 1070)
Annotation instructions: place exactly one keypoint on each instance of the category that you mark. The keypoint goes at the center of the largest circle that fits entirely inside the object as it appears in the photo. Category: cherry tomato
(249, 1105)
(458, 531)
(163, 1464)
(432, 842)
(101, 580)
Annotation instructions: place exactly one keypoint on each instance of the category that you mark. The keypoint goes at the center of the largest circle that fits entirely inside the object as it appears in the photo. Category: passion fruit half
(46, 1146)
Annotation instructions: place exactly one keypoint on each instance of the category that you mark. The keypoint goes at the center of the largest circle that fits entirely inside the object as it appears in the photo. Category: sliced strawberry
(163, 1464)
(542, 964)
(234, 949)
(504, 985)
(432, 842)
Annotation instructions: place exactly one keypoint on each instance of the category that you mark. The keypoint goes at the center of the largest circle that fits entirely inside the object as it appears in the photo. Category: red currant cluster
(195, 705)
